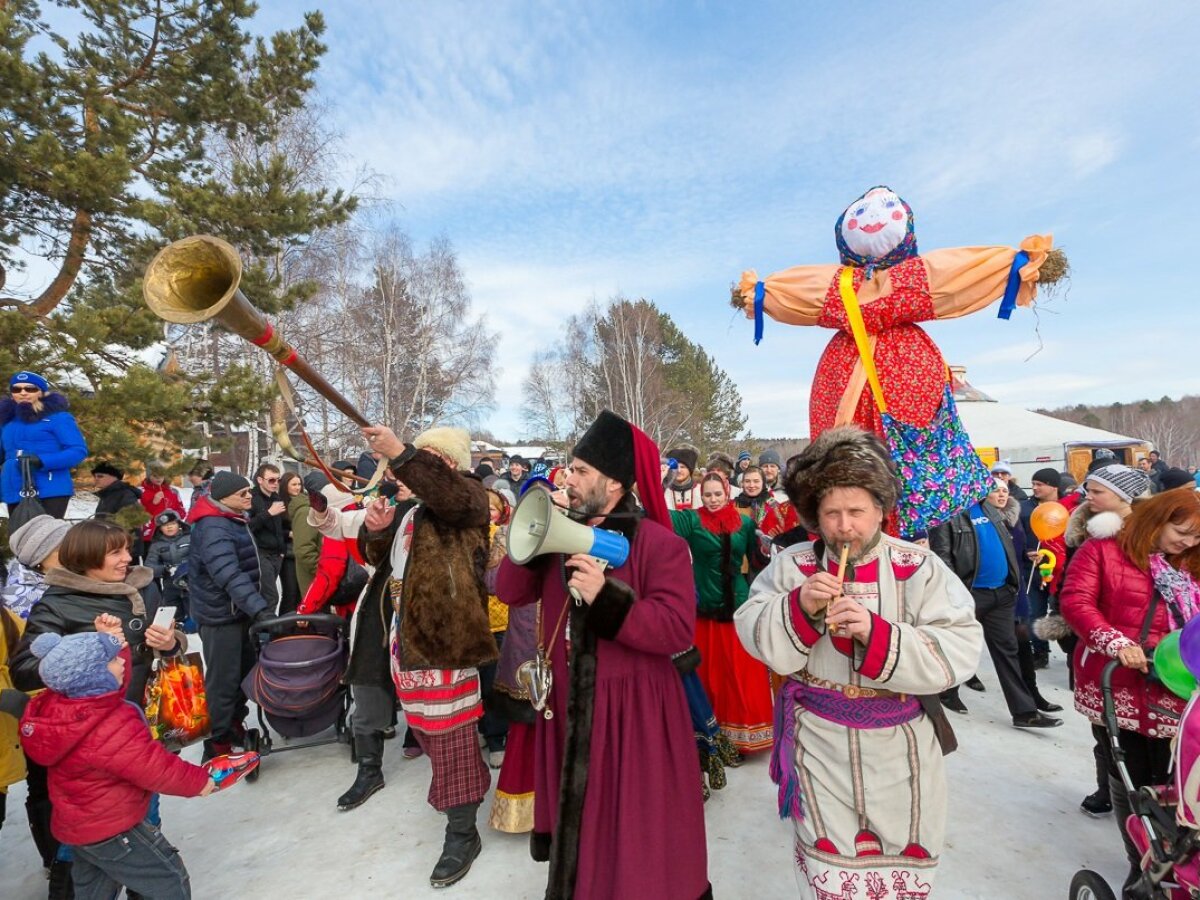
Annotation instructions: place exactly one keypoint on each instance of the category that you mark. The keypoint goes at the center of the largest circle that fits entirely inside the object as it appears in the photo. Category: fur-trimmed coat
(616, 772)
(443, 607)
(51, 435)
(1108, 601)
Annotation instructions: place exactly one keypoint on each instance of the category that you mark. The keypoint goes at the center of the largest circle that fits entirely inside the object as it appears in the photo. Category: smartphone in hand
(165, 617)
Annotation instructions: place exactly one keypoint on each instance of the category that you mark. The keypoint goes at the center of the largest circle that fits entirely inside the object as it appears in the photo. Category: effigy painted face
(875, 225)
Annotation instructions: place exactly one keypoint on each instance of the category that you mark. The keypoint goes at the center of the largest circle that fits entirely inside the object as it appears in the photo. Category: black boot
(1099, 804)
(461, 848)
(1123, 809)
(38, 813)
(369, 750)
(61, 886)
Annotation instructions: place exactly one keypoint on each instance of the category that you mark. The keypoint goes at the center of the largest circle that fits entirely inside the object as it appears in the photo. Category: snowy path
(1015, 828)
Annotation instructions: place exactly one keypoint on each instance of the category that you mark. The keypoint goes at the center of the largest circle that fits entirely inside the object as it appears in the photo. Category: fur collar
(1085, 524)
(51, 403)
(625, 517)
(1105, 525)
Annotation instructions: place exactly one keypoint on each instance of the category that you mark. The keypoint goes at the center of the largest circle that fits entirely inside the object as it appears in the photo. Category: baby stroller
(1165, 824)
(297, 682)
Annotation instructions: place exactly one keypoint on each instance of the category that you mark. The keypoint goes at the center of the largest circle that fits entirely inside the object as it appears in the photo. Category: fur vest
(443, 606)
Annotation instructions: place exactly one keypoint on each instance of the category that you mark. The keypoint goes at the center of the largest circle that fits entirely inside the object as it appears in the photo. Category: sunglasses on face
(270, 481)
(25, 389)
(244, 493)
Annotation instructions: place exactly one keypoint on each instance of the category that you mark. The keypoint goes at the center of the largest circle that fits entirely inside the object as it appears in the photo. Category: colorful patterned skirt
(512, 807)
(941, 474)
(737, 684)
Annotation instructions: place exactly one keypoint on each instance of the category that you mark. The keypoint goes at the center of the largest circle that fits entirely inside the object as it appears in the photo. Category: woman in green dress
(738, 685)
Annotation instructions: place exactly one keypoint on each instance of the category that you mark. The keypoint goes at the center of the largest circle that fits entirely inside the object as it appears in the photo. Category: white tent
(1032, 441)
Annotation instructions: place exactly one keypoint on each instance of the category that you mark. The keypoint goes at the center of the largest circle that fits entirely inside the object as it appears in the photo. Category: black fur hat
(608, 445)
(840, 457)
(686, 455)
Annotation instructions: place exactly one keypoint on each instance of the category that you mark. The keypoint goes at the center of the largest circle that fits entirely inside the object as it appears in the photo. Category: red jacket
(103, 763)
(1105, 600)
(170, 500)
(331, 568)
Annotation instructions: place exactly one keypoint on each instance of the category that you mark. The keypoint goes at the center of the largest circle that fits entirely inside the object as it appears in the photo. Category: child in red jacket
(103, 766)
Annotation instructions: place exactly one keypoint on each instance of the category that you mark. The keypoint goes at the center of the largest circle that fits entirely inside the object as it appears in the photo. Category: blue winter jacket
(223, 574)
(51, 435)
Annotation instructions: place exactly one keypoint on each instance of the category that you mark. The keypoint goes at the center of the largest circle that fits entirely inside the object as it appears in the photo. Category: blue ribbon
(1009, 303)
(760, 293)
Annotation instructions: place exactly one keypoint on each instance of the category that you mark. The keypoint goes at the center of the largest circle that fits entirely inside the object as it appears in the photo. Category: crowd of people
(765, 606)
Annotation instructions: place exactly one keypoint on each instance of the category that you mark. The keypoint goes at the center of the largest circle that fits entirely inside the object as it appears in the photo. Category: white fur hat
(454, 442)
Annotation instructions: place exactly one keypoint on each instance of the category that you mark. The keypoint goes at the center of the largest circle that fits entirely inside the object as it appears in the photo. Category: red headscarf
(727, 519)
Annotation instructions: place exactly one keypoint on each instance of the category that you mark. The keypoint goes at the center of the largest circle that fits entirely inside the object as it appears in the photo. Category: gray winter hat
(226, 484)
(770, 457)
(37, 539)
(1123, 481)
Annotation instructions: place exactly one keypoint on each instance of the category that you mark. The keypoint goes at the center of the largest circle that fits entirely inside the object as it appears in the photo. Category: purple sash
(833, 706)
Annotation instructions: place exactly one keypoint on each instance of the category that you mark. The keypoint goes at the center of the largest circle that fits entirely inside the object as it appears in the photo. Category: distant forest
(1173, 426)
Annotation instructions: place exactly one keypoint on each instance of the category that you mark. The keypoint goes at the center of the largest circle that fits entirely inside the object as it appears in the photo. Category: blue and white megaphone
(539, 526)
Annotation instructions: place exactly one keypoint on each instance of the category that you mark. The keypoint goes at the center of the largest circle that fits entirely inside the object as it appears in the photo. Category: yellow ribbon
(859, 330)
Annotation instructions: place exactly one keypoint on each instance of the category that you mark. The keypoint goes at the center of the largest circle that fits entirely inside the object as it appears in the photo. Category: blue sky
(579, 150)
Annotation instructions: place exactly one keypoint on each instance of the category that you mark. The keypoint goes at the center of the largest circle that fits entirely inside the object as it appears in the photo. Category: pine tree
(107, 153)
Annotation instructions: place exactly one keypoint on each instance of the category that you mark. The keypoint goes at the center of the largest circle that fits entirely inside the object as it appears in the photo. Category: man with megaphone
(618, 808)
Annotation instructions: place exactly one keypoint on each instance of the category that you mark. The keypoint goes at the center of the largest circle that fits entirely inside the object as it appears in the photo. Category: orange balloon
(1049, 521)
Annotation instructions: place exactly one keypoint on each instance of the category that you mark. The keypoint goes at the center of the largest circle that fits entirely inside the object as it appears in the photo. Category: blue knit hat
(745, 454)
(30, 378)
(76, 665)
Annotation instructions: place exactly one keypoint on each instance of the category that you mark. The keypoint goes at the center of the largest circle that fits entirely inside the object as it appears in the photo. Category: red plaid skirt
(459, 773)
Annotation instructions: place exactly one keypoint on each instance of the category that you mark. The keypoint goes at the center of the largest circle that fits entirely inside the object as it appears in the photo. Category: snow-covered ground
(1015, 828)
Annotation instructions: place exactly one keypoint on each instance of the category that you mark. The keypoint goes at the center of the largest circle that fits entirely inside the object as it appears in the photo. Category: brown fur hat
(720, 460)
(840, 457)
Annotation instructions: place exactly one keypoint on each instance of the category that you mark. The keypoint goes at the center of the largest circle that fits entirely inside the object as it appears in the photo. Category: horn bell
(192, 280)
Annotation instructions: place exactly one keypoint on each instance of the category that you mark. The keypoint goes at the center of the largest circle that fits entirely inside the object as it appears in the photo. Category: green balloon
(1169, 667)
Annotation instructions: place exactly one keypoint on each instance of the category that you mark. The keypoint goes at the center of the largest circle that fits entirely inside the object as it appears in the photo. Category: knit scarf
(1177, 587)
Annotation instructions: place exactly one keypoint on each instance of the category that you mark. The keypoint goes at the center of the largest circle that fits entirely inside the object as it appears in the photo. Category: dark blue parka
(223, 574)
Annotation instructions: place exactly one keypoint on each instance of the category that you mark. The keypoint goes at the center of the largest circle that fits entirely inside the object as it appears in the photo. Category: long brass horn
(196, 279)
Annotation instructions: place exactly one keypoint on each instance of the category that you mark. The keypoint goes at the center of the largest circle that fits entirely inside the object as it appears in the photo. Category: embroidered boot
(462, 846)
(369, 750)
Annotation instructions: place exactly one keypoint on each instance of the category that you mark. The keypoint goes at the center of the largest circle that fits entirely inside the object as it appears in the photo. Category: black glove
(35, 461)
(13, 702)
(262, 615)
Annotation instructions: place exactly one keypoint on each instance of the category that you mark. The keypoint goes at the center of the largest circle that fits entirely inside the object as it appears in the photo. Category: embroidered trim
(856, 778)
(882, 650)
(799, 623)
(935, 651)
(1109, 641)
(914, 767)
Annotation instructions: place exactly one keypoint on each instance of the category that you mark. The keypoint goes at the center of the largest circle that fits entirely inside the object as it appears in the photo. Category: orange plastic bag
(176, 703)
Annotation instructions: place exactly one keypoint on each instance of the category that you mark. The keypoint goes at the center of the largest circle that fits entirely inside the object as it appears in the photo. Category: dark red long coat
(103, 763)
(617, 776)
(1105, 600)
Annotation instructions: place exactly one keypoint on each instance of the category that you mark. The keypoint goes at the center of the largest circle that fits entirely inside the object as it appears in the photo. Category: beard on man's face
(592, 502)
